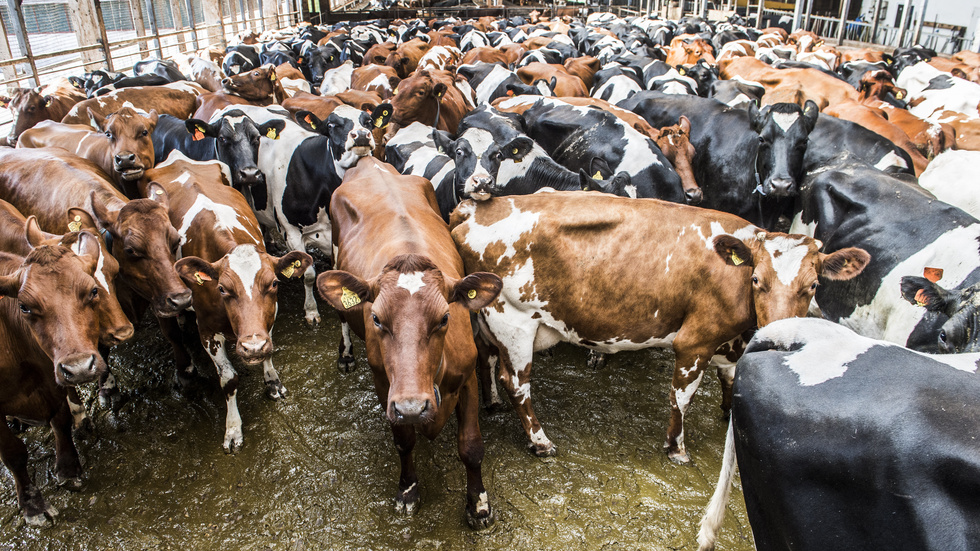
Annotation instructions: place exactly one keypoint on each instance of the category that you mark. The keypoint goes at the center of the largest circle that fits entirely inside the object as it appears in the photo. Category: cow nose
(250, 176)
(119, 335)
(225, 81)
(78, 369)
(255, 347)
(179, 301)
(694, 196)
(362, 138)
(125, 158)
(781, 187)
(410, 410)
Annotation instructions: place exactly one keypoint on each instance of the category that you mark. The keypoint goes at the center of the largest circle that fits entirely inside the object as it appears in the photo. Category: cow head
(701, 73)
(54, 294)
(349, 131)
(415, 99)
(255, 85)
(82, 240)
(783, 132)
(320, 60)
(27, 108)
(675, 143)
(245, 282)
(236, 142)
(408, 309)
(145, 243)
(961, 332)
(785, 270)
(478, 157)
(130, 141)
(880, 85)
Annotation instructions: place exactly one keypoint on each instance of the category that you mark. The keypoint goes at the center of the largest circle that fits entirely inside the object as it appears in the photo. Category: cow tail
(714, 515)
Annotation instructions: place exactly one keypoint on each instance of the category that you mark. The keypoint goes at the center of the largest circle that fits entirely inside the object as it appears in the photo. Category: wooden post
(83, 15)
(874, 21)
(9, 71)
(190, 18)
(214, 18)
(103, 37)
(843, 21)
(806, 18)
(14, 8)
(758, 16)
(901, 27)
(136, 8)
(797, 12)
(154, 28)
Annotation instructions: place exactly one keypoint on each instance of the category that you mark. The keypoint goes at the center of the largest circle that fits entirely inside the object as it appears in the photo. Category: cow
(932, 91)
(375, 78)
(51, 331)
(232, 139)
(29, 106)
(121, 146)
(832, 136)
(239, 59)
(614, 84)
(908, 234)
(846, 442)
(405, 59)
(737, 93)
(747, 163)
(234, 282)
(931, 138)
(142, 239)
(789, 85)
(492, 81)
(177, 99)
(944, 178)
(555, 253)
(302, 169)
(562, 83)
(259, 86)
(877, 121)
(430, 96)
(200, 70)
(337, 80)
(402, 289)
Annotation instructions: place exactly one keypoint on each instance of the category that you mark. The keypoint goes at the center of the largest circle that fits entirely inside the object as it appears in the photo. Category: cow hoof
(83, 427)
(407, 501)
(312, 320)
(72, 484)
(233, 442)
(44, 518)
(679, 457)
(543, 450)
(481, 521)
(274, 390)
(185, 379)
(597, 360)
(346, 364)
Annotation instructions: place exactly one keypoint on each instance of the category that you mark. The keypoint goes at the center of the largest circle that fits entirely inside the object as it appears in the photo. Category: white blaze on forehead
(99, 274)
(785, 120)
(787, 256)
(412, 282)
(245, 262)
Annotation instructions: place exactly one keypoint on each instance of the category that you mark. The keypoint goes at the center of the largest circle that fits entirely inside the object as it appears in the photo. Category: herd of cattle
(443, 166)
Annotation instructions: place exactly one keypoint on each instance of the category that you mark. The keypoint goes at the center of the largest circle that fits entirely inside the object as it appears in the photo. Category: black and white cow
(614, 84)
(737, 92)
(302, 169)
(165, 68)
(239, 59)
(846, 442)
(832, 136)
(492, 80)
(231, 138)
(747, 162)
(906, 230)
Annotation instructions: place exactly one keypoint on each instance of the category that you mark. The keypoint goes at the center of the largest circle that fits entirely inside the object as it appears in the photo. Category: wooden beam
(213, 15)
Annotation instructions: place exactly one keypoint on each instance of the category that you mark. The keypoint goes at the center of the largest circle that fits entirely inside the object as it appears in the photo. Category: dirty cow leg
(479, 514)
(488, 359)
(688, 371)
(309, 305)
(345, 358)
(185, 368)
(80, 418)
(515, 374)
(229, 385)
(274, 388)
(68, 468)
(726, 372)
(407, 498)
(13, 452)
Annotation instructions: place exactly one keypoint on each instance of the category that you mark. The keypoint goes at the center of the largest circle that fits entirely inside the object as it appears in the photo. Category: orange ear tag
(932, 274)
(920, 298)
(201, 277)
(309, 121)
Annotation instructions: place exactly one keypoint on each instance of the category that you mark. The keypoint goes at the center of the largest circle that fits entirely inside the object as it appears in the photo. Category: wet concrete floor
(319, 471)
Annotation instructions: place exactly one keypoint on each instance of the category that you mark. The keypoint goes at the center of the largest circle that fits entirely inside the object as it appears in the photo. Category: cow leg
(68, 468)
(596, 360)
(688, 371)
(170, 328)
(274, 388)
(13, 453)
(487, 361)
(479, 514)
(80, 418)
(229, 386)
(408, 482)
(109, 395)
(345, 357)
(309, 304)
(515, 374)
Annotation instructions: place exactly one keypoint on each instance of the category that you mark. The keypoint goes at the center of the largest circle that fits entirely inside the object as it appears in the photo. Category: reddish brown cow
(427, 97)
(675, 143)
(689, 51)
(143, 241)
(967, 129)
(377, 54)
(552, 292)
(806, 41)
(968, 57)
(401, 288)
(380, 79)
(233, 280)
(405, 59)
(789, 85)
(51, 329)
(861, 54)
(321, 106)
(876, 120)
(29, 106)
(564, 83)
(256, 87)
(488, 54)
(122, 146)
(584, 67)
(178, 99)
(930, 138)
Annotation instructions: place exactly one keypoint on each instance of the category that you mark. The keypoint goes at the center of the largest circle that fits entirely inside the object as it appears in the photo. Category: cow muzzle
(411, 411)
(248, 177)
(361, 142)
(128, 166)
(255, 348)
(694, 196)
(171, 304)
(118, 335)
(479, 188)
(78, 369)
(781, 187)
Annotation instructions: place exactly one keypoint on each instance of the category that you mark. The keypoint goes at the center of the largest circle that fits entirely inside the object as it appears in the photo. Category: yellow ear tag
(272, 76)
(395, 92)
(288, 271)
(309, 121)
(899, 95)
(271, 134)
(516, 151)
(349, 298)
(75, 224)
(201, 277)
(736, 260)
(471, 294)
(159, 192)
(378, 122)
(681, 72)
(597, 175)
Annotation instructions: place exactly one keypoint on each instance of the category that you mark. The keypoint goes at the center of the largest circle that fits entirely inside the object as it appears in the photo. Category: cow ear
(444, 142)
(476, 290)
(293, 265)
(107, 218)
(195, 270)
(80, 219)
(922, 292)
(760, 119)
(393, 81)
(957, 72)
(587, 183)
(309, 121)
(439, 89)
(343, 290)
(685, 124)
(10, 285)
(600, 169)
(48, 100)
(33, 233)
(382, 114)
(76, 82)
(198, 129)
(157, 194)
(733, 250)
(97, 120)
(810, 114)
(88, 245)
(518, 148)
(272, 129)
(681, 70)
(152, 116)
(844, 264)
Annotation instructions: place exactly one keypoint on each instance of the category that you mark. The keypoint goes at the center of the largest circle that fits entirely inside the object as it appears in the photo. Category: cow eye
(445, 320)
(222, 290)
(942, 333)
(275, 284)
(377, 322)
(813, 286)
(94, 294)
(108, 134)
(23, 308)
(755, 280)
(145, 133)
(130, 251)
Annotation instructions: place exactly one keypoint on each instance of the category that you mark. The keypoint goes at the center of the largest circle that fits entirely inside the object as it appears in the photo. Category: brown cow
(29, 106)
(428, 97)
(321, 106)
(584, 67)
(51, 332)
(552, 292)
(256, 87)
(929, 137)
(488, 54)
(689, 51)
(377, 54)
(805, 41)
(233, 280)
(122, 146)
(877, 121)
(789, 85)
(561, 81)
(380, 79)
(402, 290)
(967, 128)
(405, 59)
(177, 98)
(143, 241)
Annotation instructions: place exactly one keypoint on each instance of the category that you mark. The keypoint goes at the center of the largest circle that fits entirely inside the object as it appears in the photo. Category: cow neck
(435, 385)
(107, 237)
(438, 109)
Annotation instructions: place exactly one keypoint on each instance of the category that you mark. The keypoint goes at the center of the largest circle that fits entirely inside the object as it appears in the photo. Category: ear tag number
(349, 298)
(75, 224)
(736, 260)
